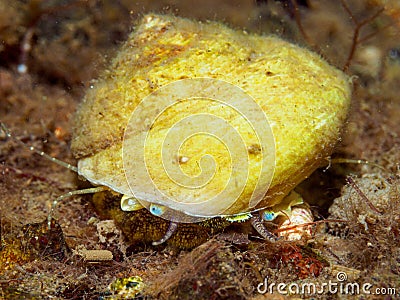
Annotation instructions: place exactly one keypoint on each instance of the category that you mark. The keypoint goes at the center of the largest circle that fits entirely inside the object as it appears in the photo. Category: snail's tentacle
(70, 194)
(170, 231)
(258, 225)
(8, 134)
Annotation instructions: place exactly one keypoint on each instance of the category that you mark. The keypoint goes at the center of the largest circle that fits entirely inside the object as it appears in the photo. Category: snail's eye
(268, 215)
(157, 210)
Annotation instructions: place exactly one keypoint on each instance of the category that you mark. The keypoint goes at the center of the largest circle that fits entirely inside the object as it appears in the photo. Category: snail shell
(283, 104)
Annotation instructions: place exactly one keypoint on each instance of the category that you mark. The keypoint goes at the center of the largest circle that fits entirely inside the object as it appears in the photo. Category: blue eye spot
(268, 215)
(157, 210)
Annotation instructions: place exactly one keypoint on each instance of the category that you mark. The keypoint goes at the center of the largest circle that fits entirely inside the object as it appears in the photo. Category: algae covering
(304, 102)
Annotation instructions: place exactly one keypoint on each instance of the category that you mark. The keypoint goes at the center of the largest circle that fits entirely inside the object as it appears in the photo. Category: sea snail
(196, 121)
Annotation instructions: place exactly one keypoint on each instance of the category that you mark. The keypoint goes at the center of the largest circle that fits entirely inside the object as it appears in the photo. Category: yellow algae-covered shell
(207, 120)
